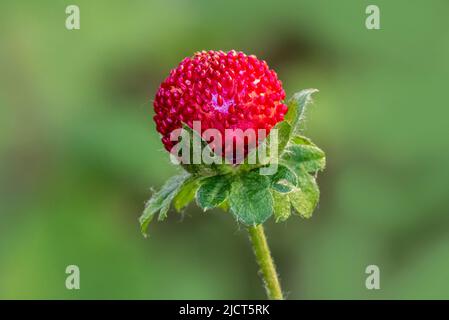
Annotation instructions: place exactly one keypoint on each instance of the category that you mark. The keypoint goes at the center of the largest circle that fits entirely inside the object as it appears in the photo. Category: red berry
(223, 90)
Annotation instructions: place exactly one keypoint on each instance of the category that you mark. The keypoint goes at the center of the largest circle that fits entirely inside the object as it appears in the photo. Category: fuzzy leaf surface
(186, 192)
(284, 180)
(281, 206)
(161, 200)
(305, 199)
(250, 198)
(297, 106)
(213, 191)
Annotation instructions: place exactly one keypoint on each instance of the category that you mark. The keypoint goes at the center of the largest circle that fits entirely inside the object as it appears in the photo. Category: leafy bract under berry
(250, 196)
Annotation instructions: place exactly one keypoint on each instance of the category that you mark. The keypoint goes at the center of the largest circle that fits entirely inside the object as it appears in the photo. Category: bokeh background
(79, 151)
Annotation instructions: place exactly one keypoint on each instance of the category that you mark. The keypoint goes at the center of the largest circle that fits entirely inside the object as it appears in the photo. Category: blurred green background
(79, 151)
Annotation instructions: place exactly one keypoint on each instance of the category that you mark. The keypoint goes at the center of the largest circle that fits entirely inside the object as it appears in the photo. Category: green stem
(265, 262)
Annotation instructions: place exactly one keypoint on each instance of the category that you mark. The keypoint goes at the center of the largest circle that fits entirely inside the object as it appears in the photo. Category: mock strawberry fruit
(223, 91)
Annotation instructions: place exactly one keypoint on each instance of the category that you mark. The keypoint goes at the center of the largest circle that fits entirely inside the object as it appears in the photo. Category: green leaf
(284, 130)
(281, 206)
(305, 199)
(307, 156)
(250, 198)
(284, 180)
(224, 205)
(297, 106)
(278, 138)
(160, 201)
(219, 165)
(298, 139)
(304, 157)
(213, 191)
(186, 193)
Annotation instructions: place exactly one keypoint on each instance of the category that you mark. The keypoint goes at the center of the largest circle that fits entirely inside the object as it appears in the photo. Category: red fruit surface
(223, 90)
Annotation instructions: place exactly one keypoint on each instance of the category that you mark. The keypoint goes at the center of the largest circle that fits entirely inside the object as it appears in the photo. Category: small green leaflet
(267, 155)
(297, 106)
(186, 192)
(281, 205)
(213, 191)
(218, 165)
(307, 156)
(305, 199)
(303, 157)
(286, 130)
(250, 198)
(284, 180)
(297, 190)
(160, 201)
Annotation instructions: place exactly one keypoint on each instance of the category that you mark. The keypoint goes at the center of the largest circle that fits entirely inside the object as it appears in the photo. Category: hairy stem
(265, 262)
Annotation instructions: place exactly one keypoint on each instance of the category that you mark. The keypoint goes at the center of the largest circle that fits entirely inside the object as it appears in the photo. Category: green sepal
(213, 191)
(250, 199)
(297, 106)
(281, 206)
(286, 131)
(284, 180)
(301, 152)
(161, 200)
(187, 192)
(219, 165)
